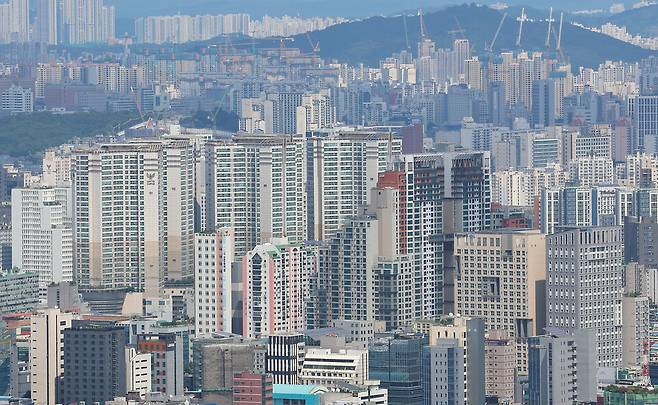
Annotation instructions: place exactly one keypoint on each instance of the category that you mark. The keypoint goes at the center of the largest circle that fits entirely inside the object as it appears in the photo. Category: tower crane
(406, 32)
(314, 47)
(423, 34)
(558, 46)
(550, 26)
(282, 41)
(521, 19)
(459, 27)
(495, 37)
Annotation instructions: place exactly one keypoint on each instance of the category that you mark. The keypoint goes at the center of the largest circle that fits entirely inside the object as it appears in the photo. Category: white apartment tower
(42, 234)
(19, 20)
(259, 186)
(317, 111)
(345, 167)
(134, 214)
(45, 25)
(213, 258)
(87, 21)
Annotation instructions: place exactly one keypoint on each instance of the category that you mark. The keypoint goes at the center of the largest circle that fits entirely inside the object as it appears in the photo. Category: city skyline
(452, 207)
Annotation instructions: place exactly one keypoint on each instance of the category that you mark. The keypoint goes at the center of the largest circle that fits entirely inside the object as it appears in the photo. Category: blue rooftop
(298, 389)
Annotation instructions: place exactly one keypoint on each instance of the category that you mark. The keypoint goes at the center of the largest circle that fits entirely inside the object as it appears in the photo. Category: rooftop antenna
(521, 20)
(550, 26)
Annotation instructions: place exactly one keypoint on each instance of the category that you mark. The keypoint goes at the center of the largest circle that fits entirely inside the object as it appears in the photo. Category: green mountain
(372, 39)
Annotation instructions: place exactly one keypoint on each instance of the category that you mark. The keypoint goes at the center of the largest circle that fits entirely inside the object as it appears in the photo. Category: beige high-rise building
(57, 167)
(134, 214)
(500, 277)
(46, 353)
(394, 297)
(500, 365)
(635, 330)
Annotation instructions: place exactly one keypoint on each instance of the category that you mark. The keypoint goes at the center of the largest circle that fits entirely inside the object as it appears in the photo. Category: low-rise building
(331, 367)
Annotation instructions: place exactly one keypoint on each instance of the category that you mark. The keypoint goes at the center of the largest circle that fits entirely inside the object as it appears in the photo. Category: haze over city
(313, 202)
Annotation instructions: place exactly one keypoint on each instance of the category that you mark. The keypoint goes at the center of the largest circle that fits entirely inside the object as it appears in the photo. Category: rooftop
(293, 389)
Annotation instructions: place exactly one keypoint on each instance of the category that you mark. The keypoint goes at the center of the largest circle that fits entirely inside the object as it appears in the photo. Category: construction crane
(423, 34)
(314, 47)
(282, 46)
(138, 103)
(523, 18)
(495, 37)
(282, 41)
(550, 26)
(126, 50)
(558, 46)
(406, 31)
(459, 27)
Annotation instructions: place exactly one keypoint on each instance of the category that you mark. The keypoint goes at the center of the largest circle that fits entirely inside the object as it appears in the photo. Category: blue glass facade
(396, 362)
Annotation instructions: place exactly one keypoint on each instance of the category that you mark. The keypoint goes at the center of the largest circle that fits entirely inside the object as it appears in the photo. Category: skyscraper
(584, 286)
(213, 262)
(443, 383)
(344, 287)
(46, 22)
(276, 279)
(342, 169)
(47, 353)
(562, 368)
(543, 103)
(19, 23)
(396, 362)
(87, 21)
(42, 234)
(259, 188)
(167, 362)
(445, 193)
(459, 343)
(134, 214)
(500, 278)
(643, 111)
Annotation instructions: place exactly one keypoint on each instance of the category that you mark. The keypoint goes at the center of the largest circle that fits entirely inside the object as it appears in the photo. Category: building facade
(276, 279)
(213, 261)
(42, 234)
(134, 214)
(584, 286)
(94, 363)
